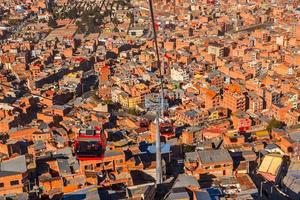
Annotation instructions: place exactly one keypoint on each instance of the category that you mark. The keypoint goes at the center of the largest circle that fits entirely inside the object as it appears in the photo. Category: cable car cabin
(167, 129)
(90, 144)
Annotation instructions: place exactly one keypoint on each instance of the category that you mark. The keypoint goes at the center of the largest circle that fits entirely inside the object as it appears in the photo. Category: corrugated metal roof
(214, 156)
(271, 164)
(17, 164)
(191, 156)
(265, 164)
(202, 195)
(179, 195)
(184, 180)
(276, 163)
(292, 179)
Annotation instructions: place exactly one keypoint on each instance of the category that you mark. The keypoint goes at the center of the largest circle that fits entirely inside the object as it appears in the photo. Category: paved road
(269, 190)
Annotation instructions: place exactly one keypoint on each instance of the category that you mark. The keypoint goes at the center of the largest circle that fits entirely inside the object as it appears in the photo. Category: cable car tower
(163, 126)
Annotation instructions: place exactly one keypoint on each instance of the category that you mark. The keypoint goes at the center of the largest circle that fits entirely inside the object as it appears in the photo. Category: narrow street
(268, 189)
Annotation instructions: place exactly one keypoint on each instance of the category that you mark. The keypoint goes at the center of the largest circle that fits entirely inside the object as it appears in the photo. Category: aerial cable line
(157, 56)
(157, 142)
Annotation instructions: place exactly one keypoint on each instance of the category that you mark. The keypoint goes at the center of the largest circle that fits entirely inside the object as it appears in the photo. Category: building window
(1, 185)
(14, 183)
(98, 165)
(88, 167)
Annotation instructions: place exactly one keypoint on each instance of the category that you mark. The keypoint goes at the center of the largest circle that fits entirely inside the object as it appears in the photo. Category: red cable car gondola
(90, 144)
(167, 129)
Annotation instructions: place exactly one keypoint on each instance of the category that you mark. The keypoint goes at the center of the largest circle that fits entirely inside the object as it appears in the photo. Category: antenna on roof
(158, 145)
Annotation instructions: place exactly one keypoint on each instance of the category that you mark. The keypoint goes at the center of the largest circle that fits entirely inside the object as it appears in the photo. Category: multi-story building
(140, 90)
(179, 74)
(241, 121)
(234, 99)
(215, 78)
(110, 170)
(190, 134)
(255, 102)
(217, 113)
(12, 182)
(14, 176)
(192, 117)
(211, 99)
(271, 97)
(207, 163)
(115, 94)
(128, 101)
(216, 49)
(153, 101)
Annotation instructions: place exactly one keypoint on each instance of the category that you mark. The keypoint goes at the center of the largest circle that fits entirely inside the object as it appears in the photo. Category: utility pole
(158, 152)
(261, 188)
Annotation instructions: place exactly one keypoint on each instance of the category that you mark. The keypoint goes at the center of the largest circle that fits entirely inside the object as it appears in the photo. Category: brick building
(208, 163)
(234, 99)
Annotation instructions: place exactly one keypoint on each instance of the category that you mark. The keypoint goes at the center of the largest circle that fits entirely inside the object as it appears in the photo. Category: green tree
(274, 123)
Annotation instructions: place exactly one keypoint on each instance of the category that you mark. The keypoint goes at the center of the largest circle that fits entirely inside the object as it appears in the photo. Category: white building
(115, 92)
(179, 75)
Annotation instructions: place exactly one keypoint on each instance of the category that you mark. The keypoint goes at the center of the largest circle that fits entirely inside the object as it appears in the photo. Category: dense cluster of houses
(79, 109)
